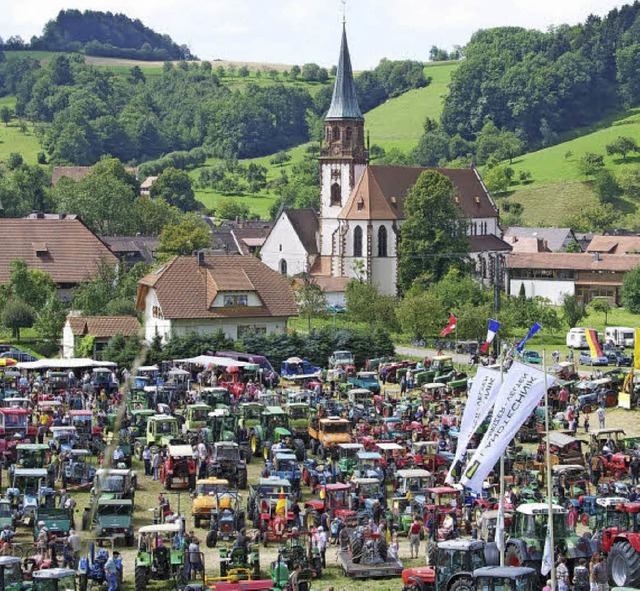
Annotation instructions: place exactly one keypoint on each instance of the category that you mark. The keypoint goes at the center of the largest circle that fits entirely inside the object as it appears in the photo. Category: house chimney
(200, 256)
(596, 256)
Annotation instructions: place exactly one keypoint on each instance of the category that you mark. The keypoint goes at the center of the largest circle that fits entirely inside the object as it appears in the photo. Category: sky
(301, 31)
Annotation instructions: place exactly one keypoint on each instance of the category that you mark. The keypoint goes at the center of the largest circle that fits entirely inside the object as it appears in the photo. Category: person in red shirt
(414, 537)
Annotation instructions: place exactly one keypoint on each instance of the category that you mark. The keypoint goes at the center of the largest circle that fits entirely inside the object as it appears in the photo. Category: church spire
(344, 102)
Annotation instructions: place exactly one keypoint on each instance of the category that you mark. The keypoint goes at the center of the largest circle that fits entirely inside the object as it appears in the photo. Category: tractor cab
(179, 468)
(413, 482)
(455, 560)
(162, 430)
(114, 483)
(80, 469)
(222, 426)
(139, 419)
(157, 559)
(216, 397)
(370, 465)
(442, 364)
(17, 402)
(14, 422)
(505, 578)
(250, 413)
(196, 416)
(26, 491)
(10, 573)
(82, 420)
(64, 438)
(608, 514)
(366, 492)
(601, 437)
(32, 455)
(348, 457)
(54, 579)
(204, 499)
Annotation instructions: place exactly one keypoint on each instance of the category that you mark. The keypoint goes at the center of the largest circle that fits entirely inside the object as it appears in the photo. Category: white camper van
(577, 338)
(619, 336)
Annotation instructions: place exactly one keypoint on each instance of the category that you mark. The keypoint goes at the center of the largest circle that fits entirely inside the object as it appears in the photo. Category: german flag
(594, 345)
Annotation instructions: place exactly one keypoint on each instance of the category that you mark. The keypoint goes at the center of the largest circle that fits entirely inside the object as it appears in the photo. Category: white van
(619, 336)
(577, 338)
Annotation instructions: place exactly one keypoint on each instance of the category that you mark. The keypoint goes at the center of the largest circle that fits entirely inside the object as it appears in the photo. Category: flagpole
(501, 504)
(549, 476)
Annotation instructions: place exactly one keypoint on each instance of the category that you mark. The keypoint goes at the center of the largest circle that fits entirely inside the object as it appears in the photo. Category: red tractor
(621, 543)
(179, 469)
(614, 465)
(334, 499)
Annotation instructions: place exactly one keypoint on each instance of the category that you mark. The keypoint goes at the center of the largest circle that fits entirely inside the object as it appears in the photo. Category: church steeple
(344, 102)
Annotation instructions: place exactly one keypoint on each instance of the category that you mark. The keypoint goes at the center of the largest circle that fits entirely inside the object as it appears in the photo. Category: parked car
(618, 358)
(586, 359)
(19, 356)
(531, 356)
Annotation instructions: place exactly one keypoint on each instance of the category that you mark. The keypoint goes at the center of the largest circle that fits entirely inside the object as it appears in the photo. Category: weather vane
(344, 11)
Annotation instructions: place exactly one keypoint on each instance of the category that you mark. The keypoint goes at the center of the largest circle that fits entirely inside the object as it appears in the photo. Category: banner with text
(482, 394)
(522, 389)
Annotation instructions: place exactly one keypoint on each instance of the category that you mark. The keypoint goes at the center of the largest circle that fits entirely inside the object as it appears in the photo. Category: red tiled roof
(381, 191)
(186, 289)
(73, 252)
(104, 326)
(614, 244)
(573, 261)
(74, 173)
(332, 284)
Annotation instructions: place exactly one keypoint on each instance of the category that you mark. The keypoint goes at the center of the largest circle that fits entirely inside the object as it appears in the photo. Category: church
(356, 232)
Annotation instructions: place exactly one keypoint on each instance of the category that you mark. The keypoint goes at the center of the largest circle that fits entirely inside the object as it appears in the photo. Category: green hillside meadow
(558, 189)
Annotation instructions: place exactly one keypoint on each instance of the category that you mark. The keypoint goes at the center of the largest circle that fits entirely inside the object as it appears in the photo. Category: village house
(102, 328)
(357, 231)
(56, 244)
(207, 293)
(551, 275)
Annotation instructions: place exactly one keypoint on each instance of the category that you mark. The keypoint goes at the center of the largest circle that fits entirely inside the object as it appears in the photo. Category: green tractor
(217, 397)
(224, 426)
(348, 458)
(525, 545)
(111, 518)
(159, 561)
(240, 560)
(299, 417)
(139, 418)
(54, 579)
(10, 573)
(273, 427)
(163, 430)
(195, 417)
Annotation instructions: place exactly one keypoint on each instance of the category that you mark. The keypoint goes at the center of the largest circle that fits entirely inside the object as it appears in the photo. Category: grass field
(398, 123)
(14, 140)
(558, 189)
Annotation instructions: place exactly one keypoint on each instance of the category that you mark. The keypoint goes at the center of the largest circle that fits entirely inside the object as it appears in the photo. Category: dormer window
(230, 301)
(360, 203)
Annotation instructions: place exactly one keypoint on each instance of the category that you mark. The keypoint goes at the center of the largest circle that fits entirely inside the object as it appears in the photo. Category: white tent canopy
(212, 360)
(60, 363)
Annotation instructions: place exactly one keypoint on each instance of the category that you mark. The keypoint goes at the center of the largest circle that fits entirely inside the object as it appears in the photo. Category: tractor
(348, 458)
(10, 573)
(317, 472)
(54, 579)
(57, 520)
(452, 567)
(26, 492)
(299, 417)
(274, 426)
(163, 430)
(216, 397)
(114, 483)
(333, 498)
(34, 455)
(222, 425)
(622, 545)
(326, 434)
(79, 471)
(227, 519)
(205, 498)
(111, 518)
(179, 468)
(269, 507)
(299, 550)
(195, 417)
(227, 463)
(525, 544)
(284, 464)
(157, 559)
(364, 554)
(245, 560)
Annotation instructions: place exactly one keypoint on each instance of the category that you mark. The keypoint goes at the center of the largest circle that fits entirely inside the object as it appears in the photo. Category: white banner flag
(519, 394)
(482, 395)
(500, 526)
(547, 557)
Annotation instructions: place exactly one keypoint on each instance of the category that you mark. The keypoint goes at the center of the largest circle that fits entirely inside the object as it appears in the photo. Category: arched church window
(283, 267)
(357, 241)
(348, 135)
(336, 194)
(336, 133)
(382, 241)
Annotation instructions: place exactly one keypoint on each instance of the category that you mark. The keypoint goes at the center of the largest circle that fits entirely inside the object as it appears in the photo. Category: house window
(382, 241)
(235, 300)
(336, 194)
(156, 311)
(336, 133)
(250, 329)
(348, 135)
(283, 267)
(357, 241)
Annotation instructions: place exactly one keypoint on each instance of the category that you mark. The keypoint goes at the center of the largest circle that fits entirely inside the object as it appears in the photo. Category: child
(394, 547)
(586, 423)
(547, 587)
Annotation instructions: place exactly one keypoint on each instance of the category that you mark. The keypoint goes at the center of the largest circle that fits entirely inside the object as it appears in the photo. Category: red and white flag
(450, 327)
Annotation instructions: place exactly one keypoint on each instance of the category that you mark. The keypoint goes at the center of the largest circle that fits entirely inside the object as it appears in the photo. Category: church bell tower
(343, 156)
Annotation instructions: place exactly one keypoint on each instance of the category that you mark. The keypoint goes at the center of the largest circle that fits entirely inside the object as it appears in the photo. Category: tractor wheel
(431, 552)
(181, 578)
(82, 582)
(356, 550)
(247, 456)
(212, 539)
(242, 480)
(167, 482)
(140, 578)
(196, 521)
(129, 540)
(300, 451)
(624, 565)
(256, 568)
(382, 547)
(223, 568)
(266, 450)
(254, 444)
(462, 584)
(513, 556)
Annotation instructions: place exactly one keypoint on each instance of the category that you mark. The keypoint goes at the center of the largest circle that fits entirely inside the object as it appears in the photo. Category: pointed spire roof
(344, 102)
